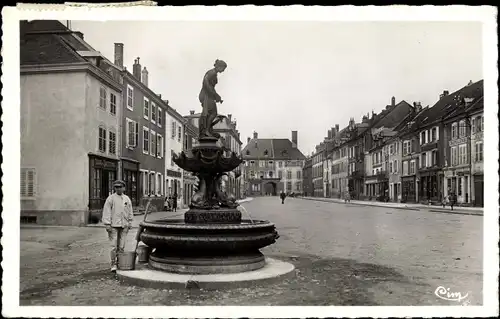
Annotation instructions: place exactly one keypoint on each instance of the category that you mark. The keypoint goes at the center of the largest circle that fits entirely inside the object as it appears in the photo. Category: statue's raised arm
(208, 98)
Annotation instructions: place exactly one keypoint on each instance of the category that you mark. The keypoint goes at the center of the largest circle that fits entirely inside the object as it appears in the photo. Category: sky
(303, 76)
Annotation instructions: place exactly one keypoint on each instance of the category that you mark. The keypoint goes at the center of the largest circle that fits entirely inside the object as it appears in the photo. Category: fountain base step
(208, 264)
(273, 270)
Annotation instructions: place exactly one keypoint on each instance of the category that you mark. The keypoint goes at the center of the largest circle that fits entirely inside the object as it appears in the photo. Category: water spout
(244, 211)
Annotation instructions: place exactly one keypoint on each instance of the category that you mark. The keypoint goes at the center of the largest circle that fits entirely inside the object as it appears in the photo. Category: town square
(254, 163)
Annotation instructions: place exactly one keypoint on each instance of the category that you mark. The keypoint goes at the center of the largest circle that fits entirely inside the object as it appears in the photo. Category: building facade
(189, 180)
(477, 142)
(272, 166)
(307, 188)
(318, 158)
(70, 125)
(174, 143)
(460, 126)
(143, 142)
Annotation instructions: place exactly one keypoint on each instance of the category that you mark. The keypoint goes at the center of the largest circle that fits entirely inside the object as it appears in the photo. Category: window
(159, 184)
(479, 151)
(405, 168)
(280, 174)
(396, 166)
(434, 158)
(160, 117)
(407, 147)
(102, 98)
(112, 103)
(102, 140)
(477, 124)
(454, 131)
(153, 143)
(132, 133)
(299, 174)
(261, 163)
(152, 181)
(462, 128)
(298, 186)
(423, 137)
(145, 140)
(280, 164)
(112, 142)
(145, 184)
(412, 167)
(463, 154)
(174, 127)
(454, 155)
(289, 174)
(172, 158)
(390, 167)
(146, 109)
(130, 97)
(289, 186)
(391, 149)
(159, 146)
(423, 160)
(434, 134)
(179, 134)
(153, 112)
(28, 182)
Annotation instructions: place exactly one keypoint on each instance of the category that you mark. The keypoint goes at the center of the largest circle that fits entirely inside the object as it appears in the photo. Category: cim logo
(446, 294)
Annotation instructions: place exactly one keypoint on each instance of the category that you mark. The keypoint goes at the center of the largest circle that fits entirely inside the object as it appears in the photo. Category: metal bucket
(143, 252)
(126, 260)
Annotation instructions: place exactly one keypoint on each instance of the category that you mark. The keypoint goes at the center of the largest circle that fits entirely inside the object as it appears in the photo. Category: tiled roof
(276, 148)
(392, 116)
(45, 48)
(455, 103)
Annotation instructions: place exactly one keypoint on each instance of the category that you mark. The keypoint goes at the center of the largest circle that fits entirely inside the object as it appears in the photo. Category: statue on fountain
(209, 98)
(207, 160)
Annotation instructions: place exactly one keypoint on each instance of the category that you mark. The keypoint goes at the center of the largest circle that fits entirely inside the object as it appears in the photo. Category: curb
(436, 210)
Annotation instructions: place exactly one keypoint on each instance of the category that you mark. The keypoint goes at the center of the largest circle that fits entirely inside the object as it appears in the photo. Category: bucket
(143, 252)
(126, 260)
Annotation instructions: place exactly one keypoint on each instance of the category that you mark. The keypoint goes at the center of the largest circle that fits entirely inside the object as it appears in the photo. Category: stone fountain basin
(178, 237)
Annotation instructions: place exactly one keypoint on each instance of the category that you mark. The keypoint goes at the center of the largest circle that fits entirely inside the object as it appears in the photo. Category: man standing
(117, 216)
(282, 196)
(174, 202)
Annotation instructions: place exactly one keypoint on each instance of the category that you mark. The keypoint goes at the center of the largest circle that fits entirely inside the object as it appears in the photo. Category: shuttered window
(28, 182)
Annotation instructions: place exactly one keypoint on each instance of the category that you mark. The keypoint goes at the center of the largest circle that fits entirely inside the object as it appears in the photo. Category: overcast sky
(304, 76)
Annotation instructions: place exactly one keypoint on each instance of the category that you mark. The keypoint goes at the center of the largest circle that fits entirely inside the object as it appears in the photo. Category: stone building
(71, 112)
(460, 121)
(143, 139)
(174, 143)
(272, 166)
(189, 181)
(307, 187)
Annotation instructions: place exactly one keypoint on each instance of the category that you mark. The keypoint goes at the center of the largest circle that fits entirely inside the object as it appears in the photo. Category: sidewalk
(179, 214)
(408, 206)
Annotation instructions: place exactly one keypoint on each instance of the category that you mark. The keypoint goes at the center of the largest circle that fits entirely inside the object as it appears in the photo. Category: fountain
(212, 241)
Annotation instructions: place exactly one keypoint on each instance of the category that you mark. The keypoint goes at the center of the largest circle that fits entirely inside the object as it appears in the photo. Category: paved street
(344, 255)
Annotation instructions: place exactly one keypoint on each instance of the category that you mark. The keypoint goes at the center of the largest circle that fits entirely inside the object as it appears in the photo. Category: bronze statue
(208, 98)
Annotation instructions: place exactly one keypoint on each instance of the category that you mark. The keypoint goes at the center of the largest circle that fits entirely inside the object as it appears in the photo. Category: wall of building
(173, 144)
(55, 144)
(394, 170)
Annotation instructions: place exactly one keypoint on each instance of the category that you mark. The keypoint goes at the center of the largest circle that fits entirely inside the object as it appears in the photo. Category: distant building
(189, 180)
(273, 166)
(307, 188)
(174, 143)
(71, 112)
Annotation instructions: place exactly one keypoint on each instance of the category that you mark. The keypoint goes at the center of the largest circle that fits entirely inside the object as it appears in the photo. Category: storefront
(408, 192)
(130, 176)
(429, 186)
(457, 181)
(102, 173)
(478, 190)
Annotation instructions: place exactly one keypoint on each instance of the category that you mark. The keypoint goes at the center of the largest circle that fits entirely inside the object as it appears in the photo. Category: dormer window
(248, 152)
(266, 153)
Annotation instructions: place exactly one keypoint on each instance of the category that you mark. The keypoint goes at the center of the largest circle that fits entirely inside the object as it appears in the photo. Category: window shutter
(23, 182)
(136, 134)
(31, 183)
(437, 133)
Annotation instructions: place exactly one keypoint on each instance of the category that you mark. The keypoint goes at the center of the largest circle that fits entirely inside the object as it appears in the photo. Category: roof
(467, 99)
(276, 149)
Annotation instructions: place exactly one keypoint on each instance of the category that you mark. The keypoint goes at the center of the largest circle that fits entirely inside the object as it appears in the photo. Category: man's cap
(119, 183)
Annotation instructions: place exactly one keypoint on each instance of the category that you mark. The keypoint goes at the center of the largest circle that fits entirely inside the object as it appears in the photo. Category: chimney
(255, 135)
(393, 101)
(470, 83)
(445, 93)
(144, 78)
(294, 139)
(248, 140)
(191, 112)
(119, 54)
(229, 117)
(136, 70)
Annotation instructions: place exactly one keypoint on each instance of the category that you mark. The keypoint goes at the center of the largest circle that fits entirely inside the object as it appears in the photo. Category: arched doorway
(270, 188)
